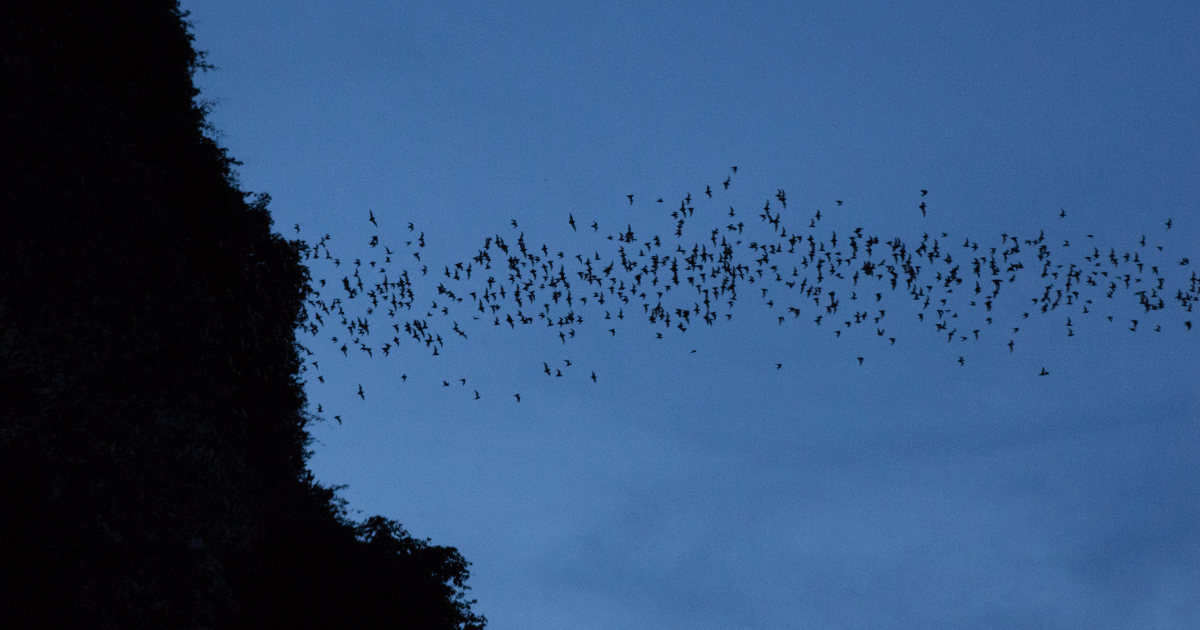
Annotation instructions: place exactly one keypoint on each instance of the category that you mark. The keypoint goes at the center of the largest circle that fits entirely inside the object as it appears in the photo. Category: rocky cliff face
(152, 431)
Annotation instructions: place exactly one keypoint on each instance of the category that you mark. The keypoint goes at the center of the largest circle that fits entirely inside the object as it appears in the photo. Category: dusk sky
(753, 473)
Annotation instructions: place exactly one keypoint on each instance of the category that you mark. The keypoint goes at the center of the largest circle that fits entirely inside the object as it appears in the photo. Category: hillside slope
(153, 434)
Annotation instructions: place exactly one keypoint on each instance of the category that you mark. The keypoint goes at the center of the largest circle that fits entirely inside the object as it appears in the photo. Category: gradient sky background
(710, 489)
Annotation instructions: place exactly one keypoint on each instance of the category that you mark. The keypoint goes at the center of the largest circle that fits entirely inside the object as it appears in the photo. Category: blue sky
(711, 489)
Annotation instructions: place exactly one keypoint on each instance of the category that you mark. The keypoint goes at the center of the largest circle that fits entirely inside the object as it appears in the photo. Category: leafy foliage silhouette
(153, 442)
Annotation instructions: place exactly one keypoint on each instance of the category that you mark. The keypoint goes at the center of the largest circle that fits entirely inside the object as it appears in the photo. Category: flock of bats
(839, 283)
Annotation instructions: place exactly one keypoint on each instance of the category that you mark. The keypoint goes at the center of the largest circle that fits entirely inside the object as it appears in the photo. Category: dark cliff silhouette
(152, 430)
